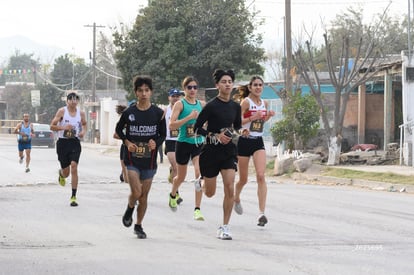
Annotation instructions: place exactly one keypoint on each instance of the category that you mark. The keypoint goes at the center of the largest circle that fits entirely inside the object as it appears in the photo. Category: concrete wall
(408, 110)
(374, 125)
(108, 120)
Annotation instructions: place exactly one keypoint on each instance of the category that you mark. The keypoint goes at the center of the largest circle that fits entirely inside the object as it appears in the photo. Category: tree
(18, 96)
(275, 61)
(108, 74)
(18, 100)
(300, 122)
(50, 102)
(71, 71)
(20, 68)
(175, 38)
(350, 51)
(68, 73)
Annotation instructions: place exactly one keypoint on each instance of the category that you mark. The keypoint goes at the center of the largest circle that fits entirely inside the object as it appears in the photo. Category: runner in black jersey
(219, 154)
(145, 131)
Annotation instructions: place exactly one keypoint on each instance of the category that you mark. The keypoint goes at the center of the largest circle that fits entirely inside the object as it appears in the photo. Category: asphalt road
(312, 229)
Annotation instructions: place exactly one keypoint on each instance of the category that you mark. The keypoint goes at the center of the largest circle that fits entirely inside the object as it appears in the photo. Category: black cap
(72, 95)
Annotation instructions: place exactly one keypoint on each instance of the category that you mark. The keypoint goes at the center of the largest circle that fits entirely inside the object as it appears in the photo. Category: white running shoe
(197, 184)
(224, 233)
(238, 208)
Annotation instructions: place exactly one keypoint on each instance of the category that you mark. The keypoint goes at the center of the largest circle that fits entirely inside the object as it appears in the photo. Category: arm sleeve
(201, 119)
(119, 128)
(162, 132)
(237, 122)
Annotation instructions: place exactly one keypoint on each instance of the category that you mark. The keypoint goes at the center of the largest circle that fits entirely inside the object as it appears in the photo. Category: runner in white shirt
(254, 115)
(70, 123)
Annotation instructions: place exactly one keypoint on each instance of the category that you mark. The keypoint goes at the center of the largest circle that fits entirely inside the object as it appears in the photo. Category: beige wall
(374, 112)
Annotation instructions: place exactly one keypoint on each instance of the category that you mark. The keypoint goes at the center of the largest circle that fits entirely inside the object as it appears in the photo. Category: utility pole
(94, 26)
(288, 42)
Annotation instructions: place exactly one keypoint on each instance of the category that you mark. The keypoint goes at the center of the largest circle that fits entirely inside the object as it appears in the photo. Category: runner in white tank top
(250, 144)
(70, 123)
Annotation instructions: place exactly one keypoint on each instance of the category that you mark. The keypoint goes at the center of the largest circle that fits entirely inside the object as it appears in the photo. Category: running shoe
(27, 169)
(170, 175)
(21, 160)
(197, 184)
(173, 202)
(238, 208)
(262, 220)
(127, 217)
(61, 180)
(198, 216)
(140, 232)
(179, 199)
(224, 233)
(73, 201)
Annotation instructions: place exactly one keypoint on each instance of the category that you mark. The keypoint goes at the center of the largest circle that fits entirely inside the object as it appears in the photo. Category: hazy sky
(61, 22)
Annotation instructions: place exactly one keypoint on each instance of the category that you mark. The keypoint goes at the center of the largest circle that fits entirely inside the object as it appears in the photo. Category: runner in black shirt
(219, 154)
(145, 131)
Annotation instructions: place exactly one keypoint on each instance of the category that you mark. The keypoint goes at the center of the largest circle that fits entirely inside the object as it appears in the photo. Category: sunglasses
(189, 87)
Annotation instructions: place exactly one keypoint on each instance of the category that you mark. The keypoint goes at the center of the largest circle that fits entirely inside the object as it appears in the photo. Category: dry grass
(373, 176)
(355, 174)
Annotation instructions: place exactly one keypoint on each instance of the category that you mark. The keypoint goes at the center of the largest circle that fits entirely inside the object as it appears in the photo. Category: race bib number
(190, 130)
(142, 151)
(256, 125)
(69, 133)
(174, 133)
(25, 138)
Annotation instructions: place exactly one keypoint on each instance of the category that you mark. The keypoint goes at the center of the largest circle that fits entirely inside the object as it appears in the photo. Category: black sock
(197, 208)
(137, 226)
(74, 192)
(173, 197)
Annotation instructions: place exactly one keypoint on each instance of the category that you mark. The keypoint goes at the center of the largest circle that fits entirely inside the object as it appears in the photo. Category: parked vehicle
(43, 135)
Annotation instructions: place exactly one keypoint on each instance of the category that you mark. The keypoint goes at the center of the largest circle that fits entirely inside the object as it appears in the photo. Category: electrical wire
(49, 82)
(108, 74)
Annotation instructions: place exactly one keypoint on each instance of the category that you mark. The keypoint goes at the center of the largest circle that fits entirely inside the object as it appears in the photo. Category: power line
(50, 82)
(108, 74)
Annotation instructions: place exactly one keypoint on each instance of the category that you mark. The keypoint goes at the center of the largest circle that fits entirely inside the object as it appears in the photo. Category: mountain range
(23, 45)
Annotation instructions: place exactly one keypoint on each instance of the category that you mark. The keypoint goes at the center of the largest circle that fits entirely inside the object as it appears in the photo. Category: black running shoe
(140, 232)
(262, 220)
(127, 217)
